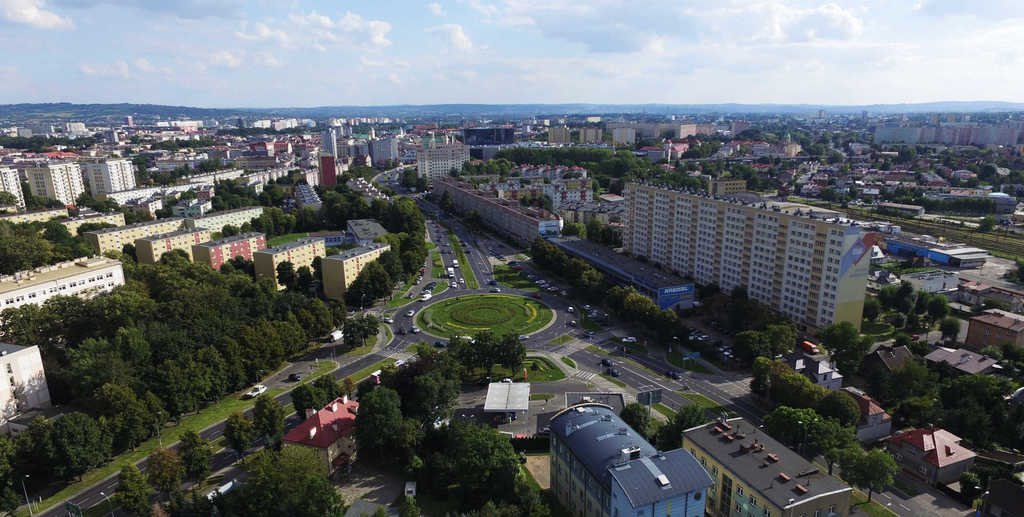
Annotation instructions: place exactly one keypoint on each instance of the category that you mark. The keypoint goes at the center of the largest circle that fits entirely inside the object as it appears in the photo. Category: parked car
(507, 380)
(673, 374)
(295, 377)
(495, 289)
(570, 309)
(256, 391)
(606, 362)
(614, 372)
(629, 339)
(414, 330)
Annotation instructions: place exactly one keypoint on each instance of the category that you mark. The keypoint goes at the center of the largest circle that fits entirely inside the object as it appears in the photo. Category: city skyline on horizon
(310, 53)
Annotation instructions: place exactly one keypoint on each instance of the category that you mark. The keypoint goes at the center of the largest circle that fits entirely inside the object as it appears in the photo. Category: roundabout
(500, 313)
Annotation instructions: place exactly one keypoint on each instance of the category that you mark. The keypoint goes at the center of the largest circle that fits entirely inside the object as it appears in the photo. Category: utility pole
(27, 501)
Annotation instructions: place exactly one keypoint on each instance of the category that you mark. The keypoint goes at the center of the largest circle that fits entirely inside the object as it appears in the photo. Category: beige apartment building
(22, 383)
(106, 176)
(113, 218)
(807, 263)
(435, 161)
(591, 135)
(36, 215)
(522, 223)
(114, 239)
(339, 271)
(299, 253)
(559, 135)
(149, 249)
(727, 186)
(84, 278)
(216, 221)
(59, 181)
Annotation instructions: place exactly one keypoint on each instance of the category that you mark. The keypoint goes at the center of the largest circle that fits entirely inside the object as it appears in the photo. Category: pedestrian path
(584, 375)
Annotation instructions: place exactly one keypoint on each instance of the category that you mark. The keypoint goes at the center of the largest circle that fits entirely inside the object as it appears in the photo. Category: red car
(536, 295)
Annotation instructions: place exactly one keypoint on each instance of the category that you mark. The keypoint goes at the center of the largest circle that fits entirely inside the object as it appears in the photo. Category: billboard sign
(676, 295)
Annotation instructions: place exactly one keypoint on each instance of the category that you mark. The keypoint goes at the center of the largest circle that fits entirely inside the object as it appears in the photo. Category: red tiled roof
(336, 420)
(941, 447)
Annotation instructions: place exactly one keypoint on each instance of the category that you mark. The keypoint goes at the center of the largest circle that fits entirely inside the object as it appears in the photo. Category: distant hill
(52, 112)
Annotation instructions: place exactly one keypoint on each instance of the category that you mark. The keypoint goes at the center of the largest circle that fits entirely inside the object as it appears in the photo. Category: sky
(280, 53)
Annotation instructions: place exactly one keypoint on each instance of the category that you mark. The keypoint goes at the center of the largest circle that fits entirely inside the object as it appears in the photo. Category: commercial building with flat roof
(216, 253)
(23, 387)
(216, 221)
(84, 278)
(666, 289)
(602, 467)
(299, 253)
(754, 474)
(150, 249)
(35, 216)
(339, 271)
(943, 253)
(112, 218)
(995, 327)
(523, 224)
(114, 239)
(365, 231)
(804, 262)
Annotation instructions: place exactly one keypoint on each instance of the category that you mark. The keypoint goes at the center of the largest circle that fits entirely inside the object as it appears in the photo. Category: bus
(451, 272)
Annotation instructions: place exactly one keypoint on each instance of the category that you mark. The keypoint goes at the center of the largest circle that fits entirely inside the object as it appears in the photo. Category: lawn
(676, 359)
(285, 239)
(860, 502)
(876, 329)
(196, 422)
(541, 396)
(665, 410)
(508, 277)
(569, 362)
(499, 313)
(538, 369)
(563, 339)
(701, 400)
(400, 300)
(467, 270)
(437, 265)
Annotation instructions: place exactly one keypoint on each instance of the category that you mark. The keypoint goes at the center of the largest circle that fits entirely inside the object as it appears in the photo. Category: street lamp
(23, 489)
(109, 504)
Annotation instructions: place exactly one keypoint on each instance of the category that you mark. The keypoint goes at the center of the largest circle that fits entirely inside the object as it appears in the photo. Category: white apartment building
(804, 262)
(216, 221)
(22, 381)
(11, 183)
(59, 181)
(84, 278)
(110, 176)
(436, 161)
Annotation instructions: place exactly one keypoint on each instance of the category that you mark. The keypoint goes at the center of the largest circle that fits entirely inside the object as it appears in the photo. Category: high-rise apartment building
(11, 183)
(591, 135)
(329, 142)
(114, 239)
(23, 385)
(623, 136)
(805, 262)
(559, 135)
(59, 181)
(384, 149)
(110, 176)
(435, 161)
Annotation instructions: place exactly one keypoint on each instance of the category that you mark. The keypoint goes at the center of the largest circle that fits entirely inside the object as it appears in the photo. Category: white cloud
(119, 69)
(267, 59)
(261, 32)
(349, 29)
(435, 9)
(454, 35)
(143, 64)
(32, 13)
(226, 58)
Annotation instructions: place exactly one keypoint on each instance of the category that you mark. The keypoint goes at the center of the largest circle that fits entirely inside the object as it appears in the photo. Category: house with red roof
(932, 454)
(329, 432)
(874, 423)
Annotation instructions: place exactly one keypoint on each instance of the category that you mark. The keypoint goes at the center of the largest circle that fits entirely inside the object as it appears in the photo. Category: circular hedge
(499, 313)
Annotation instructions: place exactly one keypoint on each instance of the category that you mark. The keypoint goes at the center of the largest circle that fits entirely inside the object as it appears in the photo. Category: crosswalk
(584, 375)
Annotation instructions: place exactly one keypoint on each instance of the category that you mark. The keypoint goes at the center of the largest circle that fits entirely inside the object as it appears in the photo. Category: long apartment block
(74, 223)
(35, 216)
(114, 239)
(300, 253)
(83, 277)
(807, 263)
(216, 253)
(341, 270)
(150, 249)
(216, 221)
(524, 224)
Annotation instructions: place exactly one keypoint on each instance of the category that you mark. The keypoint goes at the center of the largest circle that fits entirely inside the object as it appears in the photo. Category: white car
(410, 313)
(425, 297)
(256, 391)
(629, 339)
(415, 330)
(388, 319)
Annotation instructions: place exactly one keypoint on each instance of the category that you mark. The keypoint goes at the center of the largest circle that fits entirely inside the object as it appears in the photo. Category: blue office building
(601, 467)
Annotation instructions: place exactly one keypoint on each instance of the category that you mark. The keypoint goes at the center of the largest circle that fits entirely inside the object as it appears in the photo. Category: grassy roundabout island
(499, 313)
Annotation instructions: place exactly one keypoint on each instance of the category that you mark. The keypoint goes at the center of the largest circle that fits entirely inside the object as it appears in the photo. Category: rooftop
(9, 348)
(233, 238)
(893, 357)
(54, 272)
(941, 447)
(291, 245)
(366, 229)
(1002, 319)
(611, 451)
(780, 475)
(964, 360)
(137, 225)
(639, 273)
(168, 235)
(507, 396)
(355, 252)
(868, 406)
(333, 421)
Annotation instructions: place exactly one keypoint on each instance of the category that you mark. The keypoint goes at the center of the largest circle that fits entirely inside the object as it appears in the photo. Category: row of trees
(33, 244)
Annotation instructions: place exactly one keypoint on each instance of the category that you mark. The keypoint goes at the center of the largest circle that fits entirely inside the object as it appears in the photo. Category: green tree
(268, 418)
(124, 416)
(872, 308)
(938, 307)
(950, 327)
(196, 455)
(381, 432)
(408, 507)
(751, 344)
(78, 445)
(781, 338)
(239, 432)
(873, 470)
(670, 435)
(791, 425)
(475, 464)
(133, 492)
(286, 275)
(987, 224)
(840, 406)
(847, 346)
(164, 470)
(637, 416)
(9, 500)
(292, 481)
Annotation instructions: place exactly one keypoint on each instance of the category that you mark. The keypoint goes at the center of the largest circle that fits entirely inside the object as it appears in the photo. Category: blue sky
(264, 53)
